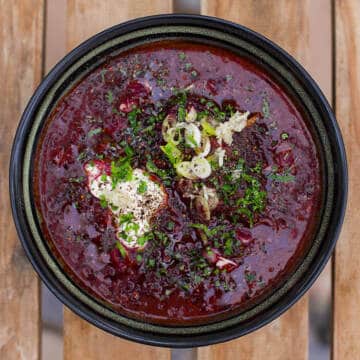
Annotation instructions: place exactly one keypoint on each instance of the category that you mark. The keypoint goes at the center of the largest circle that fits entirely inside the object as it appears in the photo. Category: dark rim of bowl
(329, 135)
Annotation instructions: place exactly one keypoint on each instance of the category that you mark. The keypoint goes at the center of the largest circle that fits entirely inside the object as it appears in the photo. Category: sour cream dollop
(133, 203)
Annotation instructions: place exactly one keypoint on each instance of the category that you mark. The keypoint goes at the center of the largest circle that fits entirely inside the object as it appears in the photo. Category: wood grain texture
(21, 32)
(276, 341)
(296, 27)
(85, 18)
(301, 27)
(346, 344)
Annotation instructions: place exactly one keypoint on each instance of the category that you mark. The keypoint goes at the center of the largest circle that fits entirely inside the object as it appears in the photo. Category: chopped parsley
(182, 56)
(284, 136)
(253, 200)
(187, 66)
(228, 246)
(82, 155)
(266, 108)
(93, 132)
(250, 277)
(151, 263)
(102, 74)
(208, 232)
(142, 187)
(284, 177)
(122, 249)
(181, 113)
(142, 240)
(172, 152)
(125, 218)
(131, 226)
(121, 170)
(129, 151)
(170, 225)
(76, 179)
(133, 119)
(163, 174)
(109, 97)
(103, 202)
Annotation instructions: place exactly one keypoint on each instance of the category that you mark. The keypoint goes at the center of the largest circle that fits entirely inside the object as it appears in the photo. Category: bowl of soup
(178, 180)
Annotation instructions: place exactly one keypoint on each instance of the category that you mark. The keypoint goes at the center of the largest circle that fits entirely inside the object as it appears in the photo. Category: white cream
(236, 123)
(125, 199)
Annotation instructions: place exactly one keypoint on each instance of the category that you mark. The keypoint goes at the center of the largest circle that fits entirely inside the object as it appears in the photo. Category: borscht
(177, 183)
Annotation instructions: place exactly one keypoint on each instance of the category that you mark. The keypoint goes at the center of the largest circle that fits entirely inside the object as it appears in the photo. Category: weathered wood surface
(346, 287)
(295, 26)
(21, 33)
(85, 18)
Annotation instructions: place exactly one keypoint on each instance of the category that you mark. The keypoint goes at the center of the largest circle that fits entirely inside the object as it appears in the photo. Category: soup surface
(177, 183)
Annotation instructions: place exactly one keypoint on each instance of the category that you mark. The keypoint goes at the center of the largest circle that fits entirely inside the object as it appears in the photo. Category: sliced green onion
(172, 152)
(191, 115)
(207, 127)
(205, 147)
(192, 135)
(200, 167)
(184, 169)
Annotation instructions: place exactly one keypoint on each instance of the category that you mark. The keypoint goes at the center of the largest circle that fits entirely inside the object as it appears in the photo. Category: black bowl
(284, 69)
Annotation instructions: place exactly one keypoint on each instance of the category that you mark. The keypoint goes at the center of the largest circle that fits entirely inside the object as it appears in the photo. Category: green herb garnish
(81, 156)
(103, 202)
(163, 174)
(172, 152)
(187, 66)
(182, 56)
(284, 177)
(181, 113)
(151, 263)
(228, 247)
(109, 97)
(122, 249)
(121, 170)
(142, 187)
(125, 218)
(170, 225)
(266, 108)
(102, 74)
(250, 277)
(94, 132)
(76, 179)
(284, 136)
(129, 151)
(133, 119)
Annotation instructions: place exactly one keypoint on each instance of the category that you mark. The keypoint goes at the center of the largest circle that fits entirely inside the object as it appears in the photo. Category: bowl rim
(16, 168)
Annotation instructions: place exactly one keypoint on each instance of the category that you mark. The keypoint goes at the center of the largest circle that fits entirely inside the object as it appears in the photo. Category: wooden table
(324, 35)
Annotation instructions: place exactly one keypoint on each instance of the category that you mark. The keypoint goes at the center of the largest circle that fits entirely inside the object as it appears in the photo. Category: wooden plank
(295, 27)
(346, 286)
(85, 18)
(21, 33)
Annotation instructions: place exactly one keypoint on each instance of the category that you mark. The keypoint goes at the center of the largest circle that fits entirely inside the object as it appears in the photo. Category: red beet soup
(177, 183)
